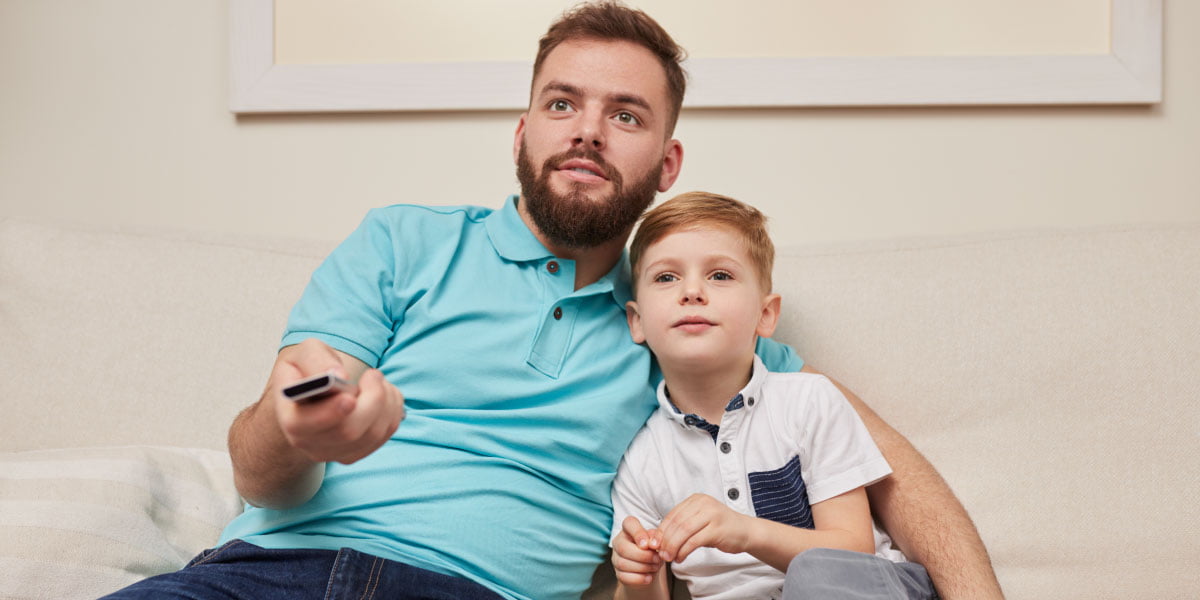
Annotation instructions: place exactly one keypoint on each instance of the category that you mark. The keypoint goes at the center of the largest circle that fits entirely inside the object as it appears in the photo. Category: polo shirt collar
(513, 241)
(748, 399)
(511, 237)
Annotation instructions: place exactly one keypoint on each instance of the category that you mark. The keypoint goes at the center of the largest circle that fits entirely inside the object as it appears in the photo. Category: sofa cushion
(78, 522)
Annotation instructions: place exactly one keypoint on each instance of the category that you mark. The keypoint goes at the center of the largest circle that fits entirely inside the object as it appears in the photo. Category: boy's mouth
(693, 324)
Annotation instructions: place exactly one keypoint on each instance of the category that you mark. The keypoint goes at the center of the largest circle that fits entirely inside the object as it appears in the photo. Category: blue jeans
(240, 570)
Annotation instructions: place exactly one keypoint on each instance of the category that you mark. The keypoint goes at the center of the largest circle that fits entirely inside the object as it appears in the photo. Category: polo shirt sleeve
(778, 357)
(349, 300)
(842, 455)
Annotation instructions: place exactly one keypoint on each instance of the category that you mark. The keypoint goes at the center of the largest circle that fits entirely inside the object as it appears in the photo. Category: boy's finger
(674, 539)
(634, 578)
(655, 539)
(630, 564)
(687, 548)
(633, 528)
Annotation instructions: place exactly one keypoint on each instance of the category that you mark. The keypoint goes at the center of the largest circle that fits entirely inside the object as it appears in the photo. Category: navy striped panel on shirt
(781, 495)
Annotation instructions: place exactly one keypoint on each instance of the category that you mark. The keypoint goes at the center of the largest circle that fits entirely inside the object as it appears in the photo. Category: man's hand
(279, 448)
(345, 427)
(701, 521)
(635, 554)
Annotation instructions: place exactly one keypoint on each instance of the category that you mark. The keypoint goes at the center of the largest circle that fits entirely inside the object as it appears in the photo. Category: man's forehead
(604, 67)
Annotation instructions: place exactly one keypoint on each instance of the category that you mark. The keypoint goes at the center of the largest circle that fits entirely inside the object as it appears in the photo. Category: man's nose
(591, 130)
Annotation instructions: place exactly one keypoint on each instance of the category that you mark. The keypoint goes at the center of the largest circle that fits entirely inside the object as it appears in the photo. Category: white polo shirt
(787, 441)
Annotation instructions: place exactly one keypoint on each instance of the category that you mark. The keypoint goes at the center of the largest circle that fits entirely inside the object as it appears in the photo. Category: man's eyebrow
(635, 100)
(559, 86)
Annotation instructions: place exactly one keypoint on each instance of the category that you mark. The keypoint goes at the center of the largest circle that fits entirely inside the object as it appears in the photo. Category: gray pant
(824, 574)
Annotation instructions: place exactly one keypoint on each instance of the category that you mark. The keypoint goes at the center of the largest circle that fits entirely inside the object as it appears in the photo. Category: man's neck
(706, 391)
(590, 263)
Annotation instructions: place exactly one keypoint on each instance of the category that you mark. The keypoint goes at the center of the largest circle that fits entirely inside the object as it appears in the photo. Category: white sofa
(1052, 377)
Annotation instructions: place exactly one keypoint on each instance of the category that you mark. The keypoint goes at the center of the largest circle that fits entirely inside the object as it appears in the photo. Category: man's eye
(627, 118)
(560, 106)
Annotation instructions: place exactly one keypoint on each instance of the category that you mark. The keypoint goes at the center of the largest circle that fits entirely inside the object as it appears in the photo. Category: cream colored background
(117, 112)
(368, 31)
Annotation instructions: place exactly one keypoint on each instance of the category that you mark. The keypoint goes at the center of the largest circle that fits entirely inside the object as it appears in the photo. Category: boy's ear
(770, 315)
(635, 322)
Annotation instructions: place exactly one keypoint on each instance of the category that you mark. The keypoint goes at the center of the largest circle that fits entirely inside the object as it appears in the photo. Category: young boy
(740, 474)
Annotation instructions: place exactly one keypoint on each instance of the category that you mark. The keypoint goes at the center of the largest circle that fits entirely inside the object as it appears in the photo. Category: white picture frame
(1130, 73)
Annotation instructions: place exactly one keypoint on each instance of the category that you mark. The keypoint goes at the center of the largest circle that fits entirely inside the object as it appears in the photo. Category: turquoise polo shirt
(521, 393)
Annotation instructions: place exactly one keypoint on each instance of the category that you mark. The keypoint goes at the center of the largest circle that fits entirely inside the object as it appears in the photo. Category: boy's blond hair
(693, 210)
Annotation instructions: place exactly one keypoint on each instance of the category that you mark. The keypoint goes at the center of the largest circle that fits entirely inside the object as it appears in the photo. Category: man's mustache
(585, 153)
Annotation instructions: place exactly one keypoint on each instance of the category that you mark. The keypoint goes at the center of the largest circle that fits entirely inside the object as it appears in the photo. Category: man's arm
(279, 448)
(922, 515)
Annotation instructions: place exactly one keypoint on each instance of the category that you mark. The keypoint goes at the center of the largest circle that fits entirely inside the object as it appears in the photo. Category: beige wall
(116, 112)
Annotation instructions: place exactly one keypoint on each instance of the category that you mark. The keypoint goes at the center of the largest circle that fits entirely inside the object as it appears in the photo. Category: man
(497, 386)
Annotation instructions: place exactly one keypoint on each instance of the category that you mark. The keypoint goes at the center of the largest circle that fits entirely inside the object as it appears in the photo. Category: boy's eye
(627, 118)
(664, 278)
(722, 276)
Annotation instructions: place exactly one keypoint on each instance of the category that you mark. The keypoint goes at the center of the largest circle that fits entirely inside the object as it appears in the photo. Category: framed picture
(1128, 71)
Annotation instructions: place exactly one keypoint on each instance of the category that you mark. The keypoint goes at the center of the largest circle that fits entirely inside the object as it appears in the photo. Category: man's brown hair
(694, 210)
(613, 21)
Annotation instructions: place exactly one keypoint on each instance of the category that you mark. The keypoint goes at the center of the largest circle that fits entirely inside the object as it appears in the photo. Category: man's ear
(635, 322)
(770, 316)
(672, 163)
(519, 137)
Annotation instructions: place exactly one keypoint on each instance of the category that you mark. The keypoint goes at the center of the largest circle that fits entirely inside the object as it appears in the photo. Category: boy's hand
(635, 557)
(701, 521)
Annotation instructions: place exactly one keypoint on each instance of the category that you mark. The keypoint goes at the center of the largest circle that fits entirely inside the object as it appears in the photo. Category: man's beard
(574, 220)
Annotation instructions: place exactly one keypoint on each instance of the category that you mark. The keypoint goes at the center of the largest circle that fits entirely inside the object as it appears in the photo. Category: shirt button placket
(552, 267)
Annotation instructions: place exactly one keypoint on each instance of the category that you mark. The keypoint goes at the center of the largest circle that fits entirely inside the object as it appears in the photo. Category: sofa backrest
(1050, 376)
(134, 337)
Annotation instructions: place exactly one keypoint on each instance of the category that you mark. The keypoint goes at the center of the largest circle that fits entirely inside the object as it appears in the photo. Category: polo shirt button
(690, 421)
(733, 494)
(750, 402)
(726, 448)
(552, 266)
(557, 313)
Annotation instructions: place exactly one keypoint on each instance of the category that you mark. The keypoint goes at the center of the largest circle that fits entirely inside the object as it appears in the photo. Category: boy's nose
(692, 295)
